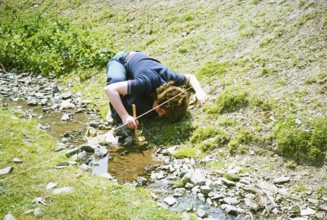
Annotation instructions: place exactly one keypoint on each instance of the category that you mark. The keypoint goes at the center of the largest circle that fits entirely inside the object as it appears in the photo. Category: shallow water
(125, 164)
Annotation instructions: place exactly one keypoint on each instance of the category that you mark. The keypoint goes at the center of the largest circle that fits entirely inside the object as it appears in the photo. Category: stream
(67, 117)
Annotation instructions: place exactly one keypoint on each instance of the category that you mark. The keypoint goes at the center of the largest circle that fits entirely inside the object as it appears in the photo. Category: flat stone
(17, 160)
(205, 190)
(323, 208)
(170, 200)
(308, 211)
(63, 190)
(231, 200)
(6, 170)
(73, 151)
(228, 182)
(281, 180)
(51, 185)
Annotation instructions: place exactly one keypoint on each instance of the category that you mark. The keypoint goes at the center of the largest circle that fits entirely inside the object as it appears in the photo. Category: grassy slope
(93, 198)
(275, 51)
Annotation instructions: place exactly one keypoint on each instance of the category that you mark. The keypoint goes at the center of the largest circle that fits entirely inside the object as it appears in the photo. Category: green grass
(93, 197)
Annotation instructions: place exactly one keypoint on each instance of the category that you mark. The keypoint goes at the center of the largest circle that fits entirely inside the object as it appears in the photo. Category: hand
(201, 96)
(130, 122)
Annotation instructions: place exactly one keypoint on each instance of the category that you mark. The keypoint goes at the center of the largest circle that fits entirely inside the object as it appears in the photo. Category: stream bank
(183, 185)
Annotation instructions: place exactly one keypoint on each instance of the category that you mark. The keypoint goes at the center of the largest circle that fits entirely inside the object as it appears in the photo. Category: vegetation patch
(229, 100)
(31, 42)
(302, 140)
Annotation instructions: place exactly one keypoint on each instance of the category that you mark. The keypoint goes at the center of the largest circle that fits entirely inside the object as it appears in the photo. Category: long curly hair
(177, 106)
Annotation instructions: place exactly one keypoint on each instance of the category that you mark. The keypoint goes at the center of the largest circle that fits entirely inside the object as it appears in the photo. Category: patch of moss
(299, 141)
(230, 100)
(212, 68)
(187, 152)
(243, 137)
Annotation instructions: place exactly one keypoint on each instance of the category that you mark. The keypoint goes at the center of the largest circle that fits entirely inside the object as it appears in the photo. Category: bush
(32, 43)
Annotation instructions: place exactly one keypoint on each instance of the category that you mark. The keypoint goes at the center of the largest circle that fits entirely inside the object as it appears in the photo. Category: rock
(205, 190)
(66, 105)
(9, 216)
(86, 168)
(107, 176)
(73, 151)
(16, 160)
(215, 196)
(87, 148)
(170, 200)
(65, 117)
(32, 102)
(228, 182)
(160, 175)
(66, 95)
(100, 152)
(39, 201)
(323, 208)
(230, 209)
(268, 188)
(198, 178)
(252, 205)
(83, 157)
(281, 180)
(308, 211)
(313, 201)
(202, 214)
(6, 170)
(231, 200)
(51, 185)
(37, 212)
(63, 190)
(141, 181)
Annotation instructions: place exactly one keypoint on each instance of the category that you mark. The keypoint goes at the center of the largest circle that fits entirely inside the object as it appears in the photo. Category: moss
(208, 138)
(212, 68)
(243, 137)
(230, 100)
(297, 141)
(187, 152)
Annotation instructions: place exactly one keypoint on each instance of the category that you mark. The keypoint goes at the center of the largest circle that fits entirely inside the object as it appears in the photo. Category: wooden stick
(136, 130)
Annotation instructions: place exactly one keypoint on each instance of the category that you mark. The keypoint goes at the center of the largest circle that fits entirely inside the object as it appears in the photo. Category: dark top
(146, 75)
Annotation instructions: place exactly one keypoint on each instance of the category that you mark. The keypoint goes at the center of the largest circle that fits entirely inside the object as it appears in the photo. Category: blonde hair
(177, 106)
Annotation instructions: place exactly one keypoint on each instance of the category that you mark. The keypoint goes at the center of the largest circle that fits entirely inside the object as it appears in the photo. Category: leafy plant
(33, 43)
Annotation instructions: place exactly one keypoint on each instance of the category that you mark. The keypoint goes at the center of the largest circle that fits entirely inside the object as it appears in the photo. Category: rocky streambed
(243, 190)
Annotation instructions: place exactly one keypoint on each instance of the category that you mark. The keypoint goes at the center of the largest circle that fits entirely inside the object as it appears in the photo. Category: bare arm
(113, 92)
(199, 93)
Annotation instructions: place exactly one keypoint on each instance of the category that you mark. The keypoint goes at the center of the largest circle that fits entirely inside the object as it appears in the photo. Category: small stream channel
(135, 165)
(125, 164)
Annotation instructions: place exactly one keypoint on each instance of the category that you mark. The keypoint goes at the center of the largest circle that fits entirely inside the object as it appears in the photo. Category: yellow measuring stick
(136, 129)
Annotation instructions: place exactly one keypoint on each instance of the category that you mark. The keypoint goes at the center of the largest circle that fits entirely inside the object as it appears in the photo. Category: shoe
(109, 118)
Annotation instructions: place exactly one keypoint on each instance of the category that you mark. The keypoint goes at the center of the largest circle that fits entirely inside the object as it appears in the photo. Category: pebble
(63, 190)
(170, 200)
(17, 160)
(51, 185)
(281, 180)
(9, 216)
(6, 170)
